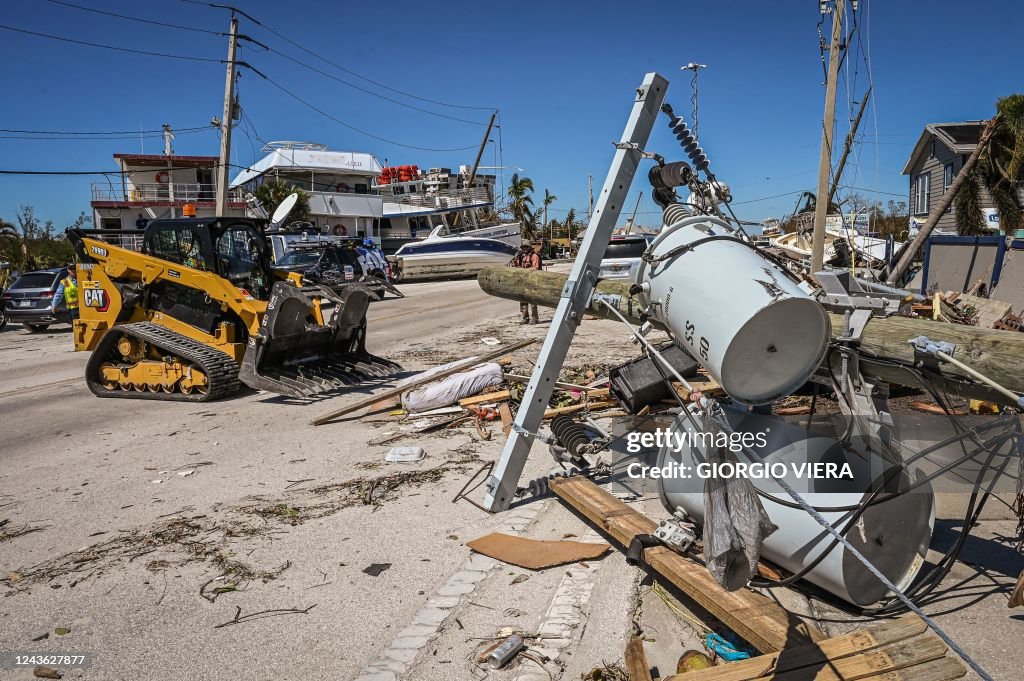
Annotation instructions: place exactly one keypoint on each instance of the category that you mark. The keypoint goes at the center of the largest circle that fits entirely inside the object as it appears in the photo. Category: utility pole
(223, 165)
(590, 193)
(825, 163)
(848, 145)
(476, 163)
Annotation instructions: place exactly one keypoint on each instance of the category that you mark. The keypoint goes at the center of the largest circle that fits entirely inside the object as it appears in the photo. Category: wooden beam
(863, 652)
(757, 619)
(486, 398)
(999, 354)
(392, 392)
(636, 660)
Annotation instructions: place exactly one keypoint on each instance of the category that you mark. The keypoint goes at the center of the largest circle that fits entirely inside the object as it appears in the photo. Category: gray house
(937, 157)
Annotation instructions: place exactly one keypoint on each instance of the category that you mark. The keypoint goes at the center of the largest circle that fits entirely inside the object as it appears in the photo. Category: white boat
(867, 249)
(797, 245)
(443, 255)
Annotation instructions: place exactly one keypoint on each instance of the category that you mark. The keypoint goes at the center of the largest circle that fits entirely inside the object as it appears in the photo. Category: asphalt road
(160, 534)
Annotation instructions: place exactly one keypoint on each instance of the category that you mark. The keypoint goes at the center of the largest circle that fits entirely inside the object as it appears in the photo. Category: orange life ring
(162, 177)
(340, 230)
(342, 188)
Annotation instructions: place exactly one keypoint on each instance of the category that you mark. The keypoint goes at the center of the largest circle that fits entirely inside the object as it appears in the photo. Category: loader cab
(233, 248)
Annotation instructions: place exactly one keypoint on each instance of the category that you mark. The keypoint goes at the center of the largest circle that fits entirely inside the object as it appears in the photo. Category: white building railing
(187, 191)
(448, 198)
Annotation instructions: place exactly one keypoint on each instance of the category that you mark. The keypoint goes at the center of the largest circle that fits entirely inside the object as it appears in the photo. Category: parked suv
(622, 256)
(29, 300)
(336, 264)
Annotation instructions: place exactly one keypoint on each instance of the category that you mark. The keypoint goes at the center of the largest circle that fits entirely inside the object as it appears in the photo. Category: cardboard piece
(535, 554)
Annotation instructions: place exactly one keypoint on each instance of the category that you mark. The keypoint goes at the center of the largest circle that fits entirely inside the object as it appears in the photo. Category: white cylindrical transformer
(738, 313)
(893, 533)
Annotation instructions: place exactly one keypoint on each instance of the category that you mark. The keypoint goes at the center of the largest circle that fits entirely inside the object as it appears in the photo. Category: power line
(352, 127)
(138, 19)
(104, 138)
(134, 133)
(766, 198)
(110, 47)
(370, 92)
(270, 49)
(339, 66)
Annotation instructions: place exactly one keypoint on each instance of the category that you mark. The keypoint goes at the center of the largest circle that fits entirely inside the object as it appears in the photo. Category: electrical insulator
(689, 143)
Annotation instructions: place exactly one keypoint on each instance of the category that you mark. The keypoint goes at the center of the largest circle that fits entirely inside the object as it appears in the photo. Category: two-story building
(938, 156)
(151, 186)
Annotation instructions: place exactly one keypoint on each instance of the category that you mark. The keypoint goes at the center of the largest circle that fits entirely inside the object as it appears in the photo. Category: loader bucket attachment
(292, 355)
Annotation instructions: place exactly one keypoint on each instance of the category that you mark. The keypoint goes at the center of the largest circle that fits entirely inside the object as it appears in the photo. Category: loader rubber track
(220, 369)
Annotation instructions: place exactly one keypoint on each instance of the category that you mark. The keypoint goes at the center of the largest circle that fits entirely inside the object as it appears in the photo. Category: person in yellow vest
(68, 292)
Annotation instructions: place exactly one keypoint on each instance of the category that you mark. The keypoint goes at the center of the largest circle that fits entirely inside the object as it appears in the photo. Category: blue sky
(561, 74)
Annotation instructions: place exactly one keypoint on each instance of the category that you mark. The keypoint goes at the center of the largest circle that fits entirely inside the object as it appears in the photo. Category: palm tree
(570, 222)
(520, 203)
(272, 192)
(995, 164)
(549, 198)
(998, 171)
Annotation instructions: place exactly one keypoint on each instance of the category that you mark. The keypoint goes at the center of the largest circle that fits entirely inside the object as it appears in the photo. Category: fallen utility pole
(476, 163)
(825, 162)
(887, 355)
(396, 391)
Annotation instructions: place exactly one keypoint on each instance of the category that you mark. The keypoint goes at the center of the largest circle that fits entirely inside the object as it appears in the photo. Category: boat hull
(450, 257)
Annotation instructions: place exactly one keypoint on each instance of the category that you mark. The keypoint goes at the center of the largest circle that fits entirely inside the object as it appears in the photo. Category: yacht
(449, 255)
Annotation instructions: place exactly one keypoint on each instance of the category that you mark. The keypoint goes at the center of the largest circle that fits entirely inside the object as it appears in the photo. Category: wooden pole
(394, 392)
(224, 160)
(998, 354)
(848, 145)
(825, 162)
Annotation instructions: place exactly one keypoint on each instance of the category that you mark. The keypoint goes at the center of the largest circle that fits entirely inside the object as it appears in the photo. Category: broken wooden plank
(535, 554)
(392, 392)
(861, 654)
(573, 408)
(756, 618)
(708, 386)
(486, 398)
(505, 412)
(636, 660)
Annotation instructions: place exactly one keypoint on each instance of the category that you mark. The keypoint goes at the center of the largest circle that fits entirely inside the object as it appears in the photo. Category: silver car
(622, 256)
(29, 300)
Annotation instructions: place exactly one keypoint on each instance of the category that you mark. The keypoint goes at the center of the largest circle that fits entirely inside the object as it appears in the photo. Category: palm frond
(970, 218)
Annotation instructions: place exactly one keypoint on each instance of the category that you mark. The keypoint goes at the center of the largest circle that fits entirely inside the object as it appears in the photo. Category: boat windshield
(299, 258)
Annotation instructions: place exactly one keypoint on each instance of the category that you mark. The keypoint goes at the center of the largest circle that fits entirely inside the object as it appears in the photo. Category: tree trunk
(943, 203)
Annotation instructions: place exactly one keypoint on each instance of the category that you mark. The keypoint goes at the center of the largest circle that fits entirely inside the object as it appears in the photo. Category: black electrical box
(639, 383)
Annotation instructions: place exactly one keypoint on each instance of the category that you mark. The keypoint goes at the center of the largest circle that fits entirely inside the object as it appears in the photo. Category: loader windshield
(241, 256)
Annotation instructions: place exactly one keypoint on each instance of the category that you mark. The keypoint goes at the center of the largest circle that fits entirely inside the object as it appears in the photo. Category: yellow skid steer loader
(199, 309)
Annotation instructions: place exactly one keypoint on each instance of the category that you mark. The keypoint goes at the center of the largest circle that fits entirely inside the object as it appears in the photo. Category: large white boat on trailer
(443, 255)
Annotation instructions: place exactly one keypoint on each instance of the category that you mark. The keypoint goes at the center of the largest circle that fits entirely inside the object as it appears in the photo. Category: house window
(947, 179)
(921, 187)
(931, 149)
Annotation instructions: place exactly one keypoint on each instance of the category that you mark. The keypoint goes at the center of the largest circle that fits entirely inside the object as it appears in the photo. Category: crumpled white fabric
(453, 388)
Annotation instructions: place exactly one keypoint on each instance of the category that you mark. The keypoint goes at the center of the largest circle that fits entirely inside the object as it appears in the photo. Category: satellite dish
(285, 207)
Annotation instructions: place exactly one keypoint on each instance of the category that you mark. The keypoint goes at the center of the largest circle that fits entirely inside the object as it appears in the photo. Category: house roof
(962, 137)
(161, 160)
